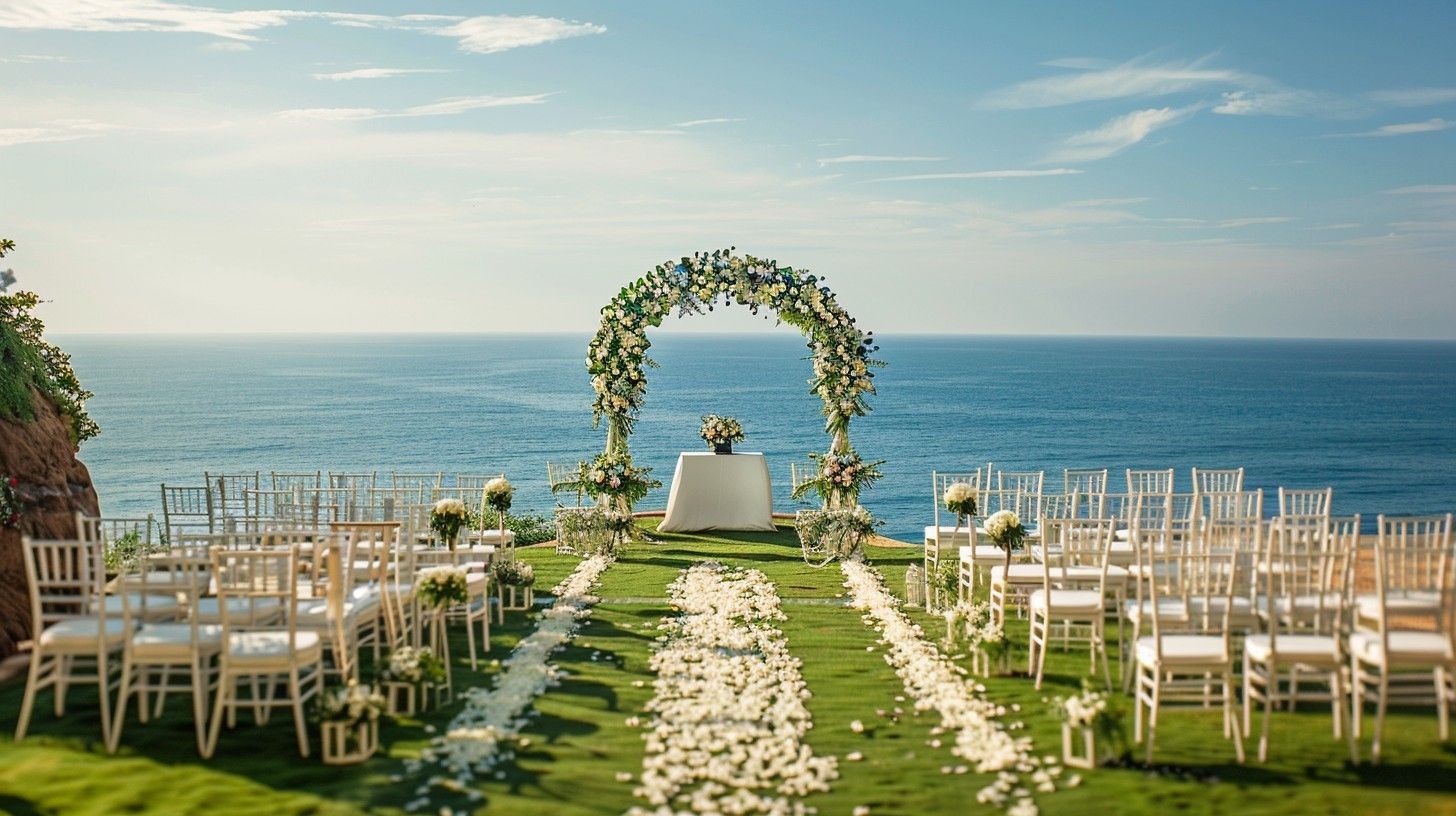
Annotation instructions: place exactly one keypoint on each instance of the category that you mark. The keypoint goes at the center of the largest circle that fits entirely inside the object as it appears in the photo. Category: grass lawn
(580, 742)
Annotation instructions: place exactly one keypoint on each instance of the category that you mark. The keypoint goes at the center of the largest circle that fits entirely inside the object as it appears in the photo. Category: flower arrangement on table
(972, 626)
(10, 504)
(514, 573)
(348, 717)
(720, 432)
(613, 476)
(446, 519)
(442, 587)
(1091, 714)
(1005, 530)
(840, 478)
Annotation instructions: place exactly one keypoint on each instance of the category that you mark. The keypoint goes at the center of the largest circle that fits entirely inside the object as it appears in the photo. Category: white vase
(349, 743)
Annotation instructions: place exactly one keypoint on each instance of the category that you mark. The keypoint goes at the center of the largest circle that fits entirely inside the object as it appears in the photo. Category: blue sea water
(1374, 419)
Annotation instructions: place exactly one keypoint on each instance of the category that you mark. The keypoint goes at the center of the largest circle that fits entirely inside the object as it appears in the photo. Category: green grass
(579, 741)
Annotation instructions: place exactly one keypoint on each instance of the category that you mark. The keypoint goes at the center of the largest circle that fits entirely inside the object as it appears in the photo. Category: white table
(712, 491)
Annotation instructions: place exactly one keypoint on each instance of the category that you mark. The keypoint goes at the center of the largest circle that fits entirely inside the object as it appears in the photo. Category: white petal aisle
(937, 684)
(491, 718)
(729, 712)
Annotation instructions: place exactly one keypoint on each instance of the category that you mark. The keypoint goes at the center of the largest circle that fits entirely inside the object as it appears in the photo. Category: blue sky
(1267, 169)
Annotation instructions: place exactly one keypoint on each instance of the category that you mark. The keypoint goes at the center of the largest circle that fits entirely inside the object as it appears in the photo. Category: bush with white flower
(617, 354)
(1005, 531)
(441, 587)
(514, 573)
(413, 666)
(352, 704)
(497, 495)
(972, 626)
(447, 517)
(720, 430)
(960, 498)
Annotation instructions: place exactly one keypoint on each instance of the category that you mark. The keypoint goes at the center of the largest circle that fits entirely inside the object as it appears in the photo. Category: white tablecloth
(719, 492)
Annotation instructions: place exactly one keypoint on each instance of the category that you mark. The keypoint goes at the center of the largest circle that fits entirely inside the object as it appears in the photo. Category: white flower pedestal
(349, 743)
(1071, 756)
(405, 699)
(982, 664)
(512, 598)
(440, 645)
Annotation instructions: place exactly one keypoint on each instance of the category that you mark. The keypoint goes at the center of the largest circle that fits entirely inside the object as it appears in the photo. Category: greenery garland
(617, 356)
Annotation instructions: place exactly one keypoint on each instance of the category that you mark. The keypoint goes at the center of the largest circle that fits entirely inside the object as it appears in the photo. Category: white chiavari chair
(1084, 482)
(69, 626)
(475, 483)
(1408, 657)
(393, 503)
(1073, 591)
(344, 613)
(263, 655)
(1188, 657)
(187, 510)
(559, 477)
(227, 490)
(351, 492)
(1305, 569)
(1305, 502)
(374, 597)
(947, 533)
(1149, 519)
(1239, 516)
(425, 483)
(476, 608)
(154, 650)
(294, 481)
(262, 509)
(1149, 481)
(1228, 480)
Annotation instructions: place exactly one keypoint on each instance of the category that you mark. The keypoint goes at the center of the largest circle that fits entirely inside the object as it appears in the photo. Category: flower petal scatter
(477, 738)
(935, 683)
(728, 712)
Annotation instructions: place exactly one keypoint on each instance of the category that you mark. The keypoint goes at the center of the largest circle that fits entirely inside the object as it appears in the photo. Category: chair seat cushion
(157, 605)
(1242, 611)
(1135, 610)
(1406, 648)
(1183, 650)
(1069, 601)
(1022, 573)
(1404, 603)
(983, 554)
(271, 649)
(947, 534)
(365, 598)
(1314, 650)
(1088, 574)
(174, 640)
(239, 610)
(80, 635)
(492, 537)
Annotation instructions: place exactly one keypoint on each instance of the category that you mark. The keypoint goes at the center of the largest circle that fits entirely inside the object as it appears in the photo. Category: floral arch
(617, 356)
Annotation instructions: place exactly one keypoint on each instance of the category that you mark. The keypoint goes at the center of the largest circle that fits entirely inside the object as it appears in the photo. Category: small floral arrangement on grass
(441, 587)
(832, 534)
(1094, 710)
(720, 431)
(498, 494)
(413, 666)
(972, 626)
(349, 705)
(447, 517)
(613, 475)
(514, 573)
(841, 477)
(10, 505)
(960, 498)
(1005, 531)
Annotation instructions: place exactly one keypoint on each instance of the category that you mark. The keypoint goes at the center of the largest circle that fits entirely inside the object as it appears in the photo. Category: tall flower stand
(1085, 758)
(440, 645)
(349, 743)
(512, 598)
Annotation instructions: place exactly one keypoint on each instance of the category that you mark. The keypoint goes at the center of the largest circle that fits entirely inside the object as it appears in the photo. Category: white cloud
(1423, 189)
(443, 107)
(1234, 223)
(1136, 78)
(985, 174)
(1106, 202)
(489, 34)
(377, 73)
(1402, 129)
(229, 46)
(715, 121)
(22, 59)
(1116, 135)
(1348, 225)
(1283, 102)
(863, 159)
(1414, 97)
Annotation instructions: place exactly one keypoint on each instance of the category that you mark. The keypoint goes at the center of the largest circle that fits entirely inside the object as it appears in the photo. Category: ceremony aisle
(581, 741)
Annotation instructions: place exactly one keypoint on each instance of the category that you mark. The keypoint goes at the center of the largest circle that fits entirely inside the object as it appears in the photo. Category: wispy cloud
(22, 59)
(378, 73)
(859, 158)
(1116, 135)
(1285, 102)
(984, 174)
(1423, 189)
(484, 34)
(1347, 225)
(1413, 97)
(721, 120)
(1235, 223)
(1402, 129)
(1106, 202)
(1136, 78)
(489, 34)
(227, 46)
(443, 107)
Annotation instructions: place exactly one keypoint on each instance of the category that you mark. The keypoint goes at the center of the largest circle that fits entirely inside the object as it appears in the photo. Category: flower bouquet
(446, 519)
(973, 626)
(1089, 715)
(613, 476)
(513, 585)
(960, 498)
(405, 676)
(497, 496)
(721, 432)
(348, 717)
(840, 479)
(1005, 531)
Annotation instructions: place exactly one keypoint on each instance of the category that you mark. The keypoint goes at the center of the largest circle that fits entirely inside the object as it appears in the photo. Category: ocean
(1376, 420)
